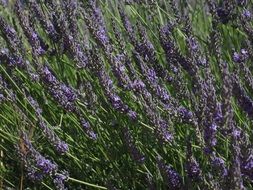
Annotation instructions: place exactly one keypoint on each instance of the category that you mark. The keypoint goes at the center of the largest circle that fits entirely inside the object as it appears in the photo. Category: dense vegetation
(108, 94)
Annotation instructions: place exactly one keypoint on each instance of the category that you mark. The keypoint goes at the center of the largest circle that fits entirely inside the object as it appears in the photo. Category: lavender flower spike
(135, 153)
(32, 157)
(59, 180)
(37, 166)
(171, 177)
(245, 102)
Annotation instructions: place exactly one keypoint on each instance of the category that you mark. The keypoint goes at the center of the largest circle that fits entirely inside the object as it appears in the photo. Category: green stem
(86, 183)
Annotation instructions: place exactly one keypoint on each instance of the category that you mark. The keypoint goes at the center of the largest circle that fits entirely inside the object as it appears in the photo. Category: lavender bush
(126, 94)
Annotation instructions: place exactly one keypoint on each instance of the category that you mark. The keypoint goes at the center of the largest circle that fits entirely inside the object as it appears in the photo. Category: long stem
(86, 183)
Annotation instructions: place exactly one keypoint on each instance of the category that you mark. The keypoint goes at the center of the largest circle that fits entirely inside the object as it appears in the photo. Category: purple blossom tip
(132, 115)
(246, 15)
(62, 147)
(45, 165)
(236, 57)
(59, 180)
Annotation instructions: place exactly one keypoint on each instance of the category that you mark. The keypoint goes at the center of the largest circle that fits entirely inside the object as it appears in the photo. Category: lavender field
(126, 94)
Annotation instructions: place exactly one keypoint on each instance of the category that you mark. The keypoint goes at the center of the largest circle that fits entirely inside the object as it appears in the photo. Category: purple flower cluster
(240, 57)
(247, 166)
(59, 180)
(162, 129)
(37, 166)
(235, 172)
(98, 29)
(59, 145)
(133, 150)
(31, 35)
(219, 165)
(192, 166)
(45, 23)
(71, 6)
(11, 37)
(209, 134)
(62, 93)
(147, 50)
(152, 80)
(193, 169)
(171, 177)
(245, 102)
(173, 55)
(108, 87)
(87, 128)
(66, 30)
(96, 25)
(171, 79)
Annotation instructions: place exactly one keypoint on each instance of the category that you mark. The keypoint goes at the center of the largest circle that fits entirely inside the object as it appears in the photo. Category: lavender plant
(126, 94)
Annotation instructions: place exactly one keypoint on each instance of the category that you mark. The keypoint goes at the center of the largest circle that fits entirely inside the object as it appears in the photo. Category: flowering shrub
(126, 94)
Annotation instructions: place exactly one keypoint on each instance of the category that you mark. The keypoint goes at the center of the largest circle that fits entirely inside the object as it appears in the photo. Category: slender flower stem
(86, 183)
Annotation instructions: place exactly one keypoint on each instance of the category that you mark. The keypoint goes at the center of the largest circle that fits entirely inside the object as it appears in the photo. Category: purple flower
(46, 23)
(30, 33)
(171, 177)
(223, 14)
(193, 169)
(59, 145)
(147, 50)
(151, 74)
(48, 76)
(247, 166)
(59, 180)
(71, 12)
(11, 37)
(2, 98)
(11, 60)
(4, 3)
(97, 26)
(218, 114)
(34, 175)
(34, 77)
(236, 57)
(236, 133)
(235, 173)
(68, 92)
(202, 61)
(35, 105)
(193, 44)
(173, 54)
(240, 57)
(246, 14)
(192, 166)
(44, 164)
(105, 81)
(133, 150)
(219, 165)
(185, 114)
(132, 115)
(62, 147)
(244, 101)
(138, 85)
(36, 165)
(244, 53)
(87, 129)
(119, 70)
(162, 131)
(128, 26)
(151, 79)
(62, 94)
(241, 2)
(210, 134)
